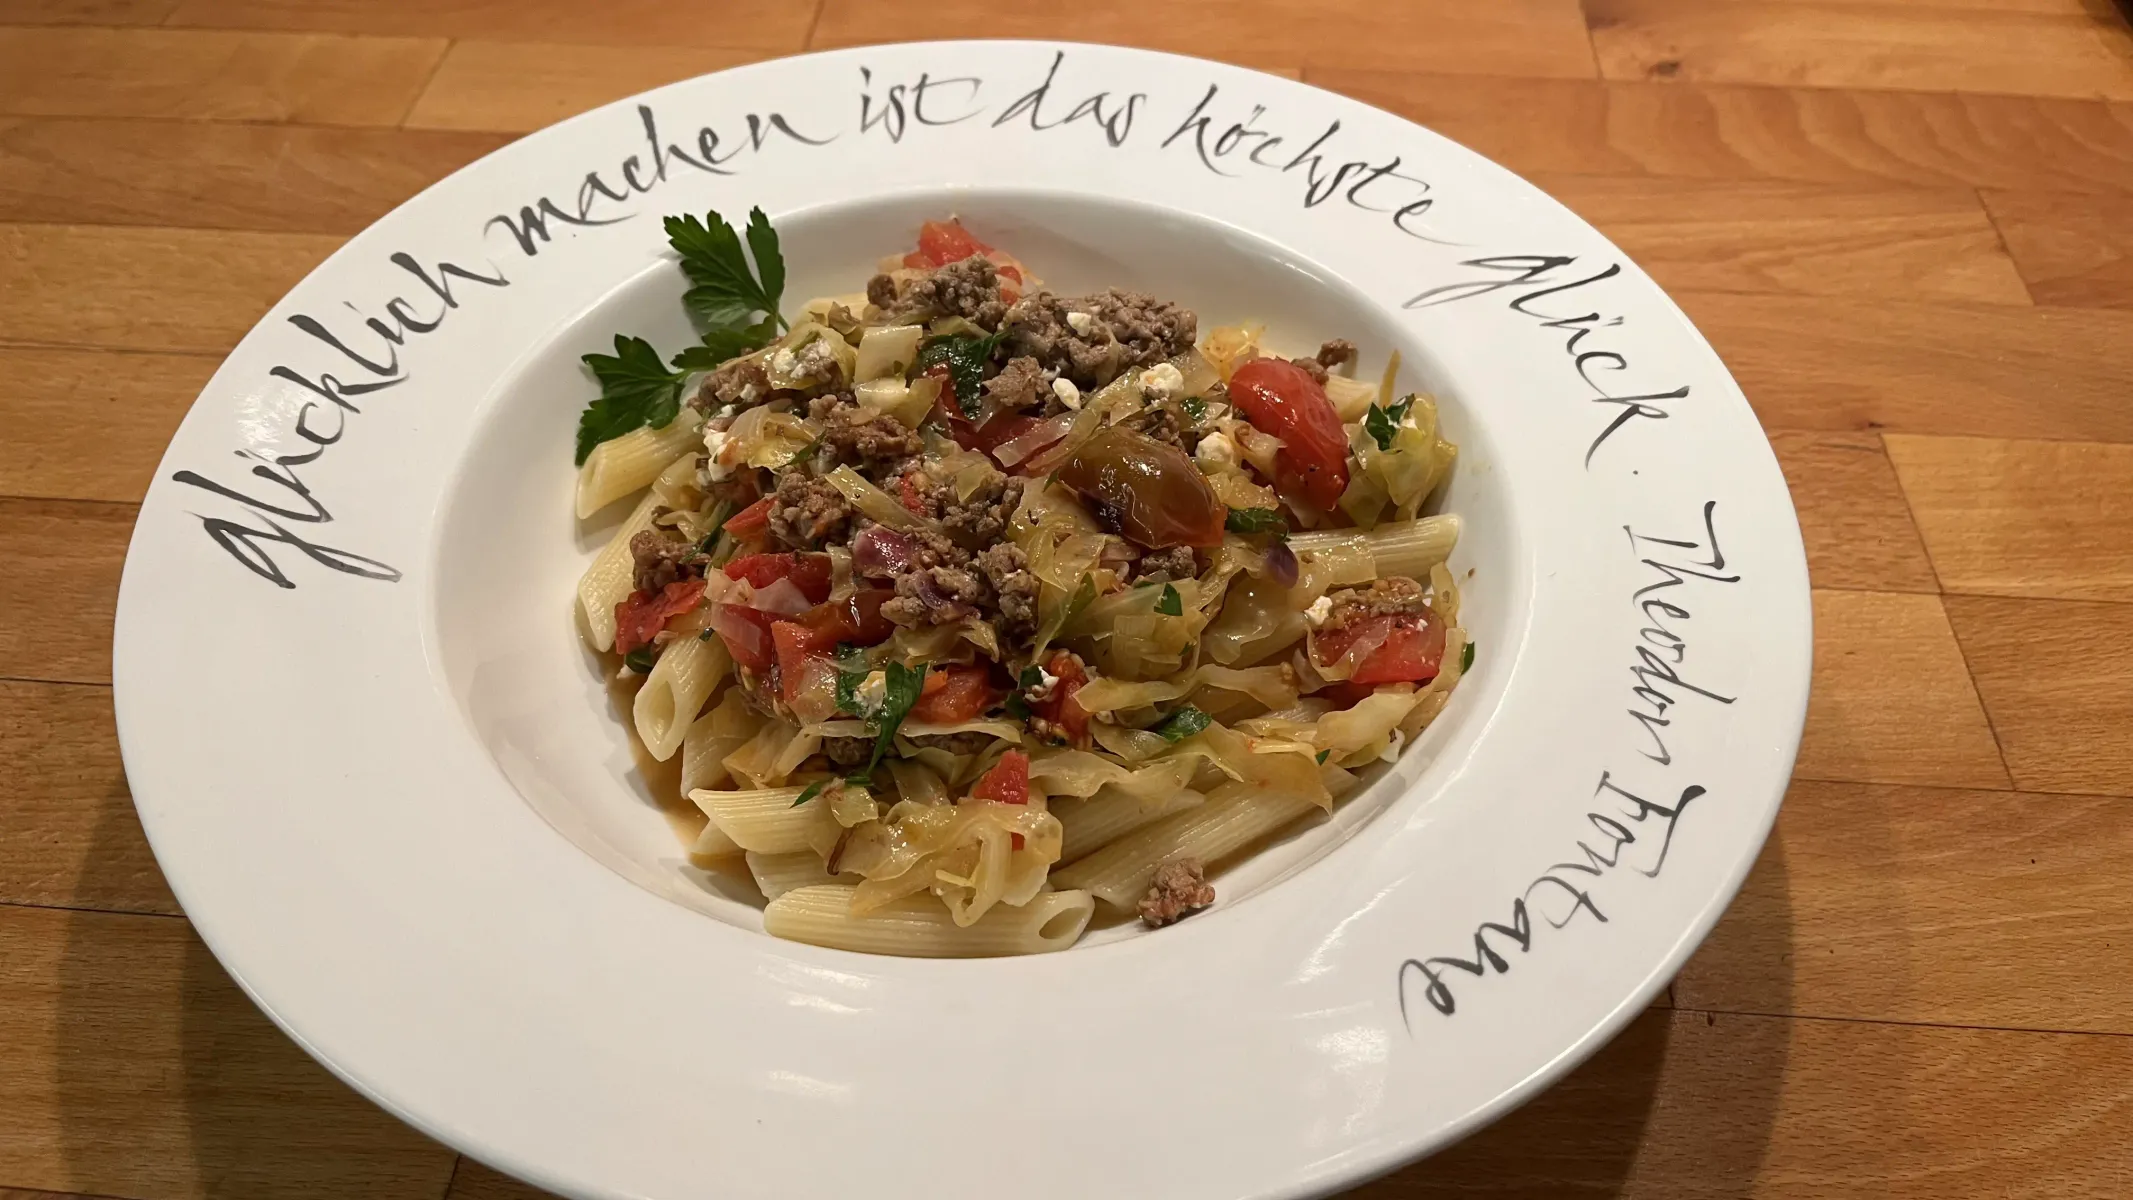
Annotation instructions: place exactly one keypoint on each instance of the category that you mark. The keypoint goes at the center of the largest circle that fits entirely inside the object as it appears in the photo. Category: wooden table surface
(1907, 225)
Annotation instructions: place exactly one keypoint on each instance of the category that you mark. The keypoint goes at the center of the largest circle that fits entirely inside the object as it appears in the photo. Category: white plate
(390, 791)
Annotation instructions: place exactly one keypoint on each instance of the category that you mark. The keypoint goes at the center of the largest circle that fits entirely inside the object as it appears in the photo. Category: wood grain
(212, 75)
(759, 24)
(2057, 677)
(60, 587)
(58, 409)
(2071, 250)
(2023, 518)
(517, 87)
(88, 12)
(1517, 37)
(1905, 244)
(1891, 701)
(185, 290)
(1824, 363)
(131, 1066)
(68, 834)
(1806, 135)
(1930, 905)
(2084, 55)
(275, 178)
(1852, 515)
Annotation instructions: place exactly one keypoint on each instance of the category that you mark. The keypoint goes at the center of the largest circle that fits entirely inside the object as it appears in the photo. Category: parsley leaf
(965, 357)
(851, 672)
(1170, 604)
(635, 389)
(724, 342)
(1323, 755)
(1183, 724)
(1195, 408)
(1031, 676)
(813, 790)
(898, 698)
(1466, 659)
(1383, 424)
(641, 660)
(1255, 520)
(726, 294)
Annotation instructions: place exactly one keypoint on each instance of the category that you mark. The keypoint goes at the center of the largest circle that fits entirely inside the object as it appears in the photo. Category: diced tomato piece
(855, 620)
(916, 261)
(944, 242)
(1410, 647)
(752, 521)
(907, 492)
(746, 632)
(1007, 782)
(797, 646)
(641, 615)
(808, 572)
(1281, 399)
(954, 694)
(1060, 708)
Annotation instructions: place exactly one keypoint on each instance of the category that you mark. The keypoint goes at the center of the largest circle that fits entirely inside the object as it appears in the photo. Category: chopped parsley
(641, 660)
(898, 698)
(1383, 424)
(1255, 520)
(1323, 755)
(813, 790)
(1195, 408)
(1466, 659)
(965, 356)
(1170, 604)
(1183, 724)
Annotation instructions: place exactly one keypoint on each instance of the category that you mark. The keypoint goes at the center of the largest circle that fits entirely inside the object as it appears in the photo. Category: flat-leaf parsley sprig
(637, 388)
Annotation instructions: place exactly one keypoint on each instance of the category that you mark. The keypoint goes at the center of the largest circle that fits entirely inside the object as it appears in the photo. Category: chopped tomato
(953, 694)
(1007, 782)
(944, 242)
(855, 620)
(797, 646)
(1410, 647)
(641, 615)
(746, 632)
(808, 572)
(1281, 399)
(752, 521)
(1060, 708)
(907, 492)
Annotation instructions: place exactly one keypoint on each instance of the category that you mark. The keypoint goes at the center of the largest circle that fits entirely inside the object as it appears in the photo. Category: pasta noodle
(959, 626)
(919, 928)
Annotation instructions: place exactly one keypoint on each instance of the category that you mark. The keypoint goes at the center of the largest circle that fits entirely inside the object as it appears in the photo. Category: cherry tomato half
(1281, 399)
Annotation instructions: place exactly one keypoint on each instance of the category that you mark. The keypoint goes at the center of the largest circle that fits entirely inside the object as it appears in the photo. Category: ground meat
(1312, 367)
(969, 289)
(807, 512)
(740, 381)
(854, 433)
(1336, 352)
(1019, 385)
(939, 586)
(1180, 889)
(982, 519)
(1393, 595)
(845, 753)
(1168, 424)
(659, 560)
(1014, 588)
(1122, 331)
(1165, 566)
(881, 292)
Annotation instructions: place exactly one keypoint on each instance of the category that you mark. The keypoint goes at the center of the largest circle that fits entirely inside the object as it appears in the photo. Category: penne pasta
(778, 874)
(713, 843)
(675, 691)
(631, 462)
(1111, 814)
(1234, 816)
(917, 926)
(611, 577)
(764, 820)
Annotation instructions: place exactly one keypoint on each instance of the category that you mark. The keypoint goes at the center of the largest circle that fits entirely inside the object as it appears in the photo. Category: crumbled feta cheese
(872, 691)
(1162, 381)
(716, 444)
(1320, 609)
(815, 361)
(1391, 752)
(1080, 322)
(784, 362)
(748, 392)
(1068, 394)
(1046, 681)
(1216, 450)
